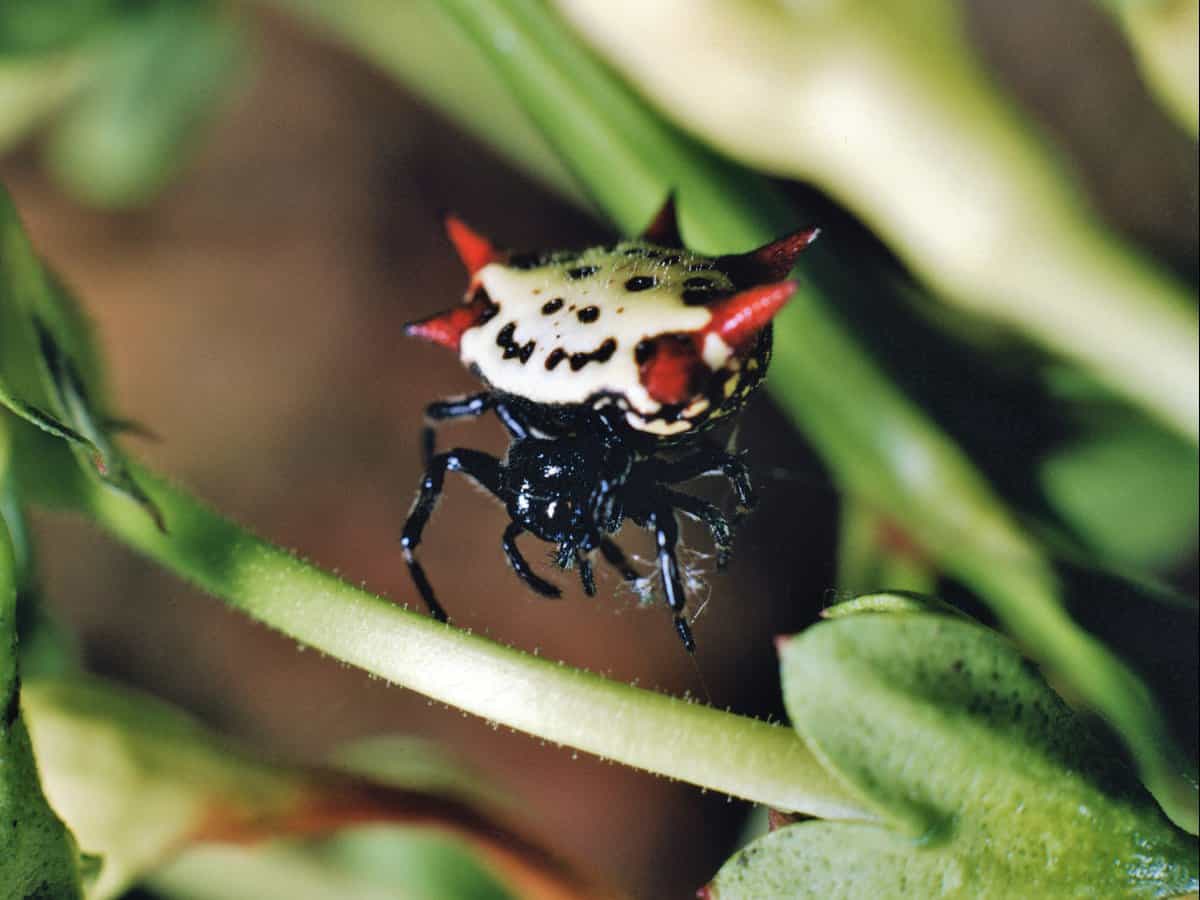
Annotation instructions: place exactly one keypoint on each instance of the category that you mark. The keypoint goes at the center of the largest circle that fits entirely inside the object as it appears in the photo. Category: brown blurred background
(252, 319)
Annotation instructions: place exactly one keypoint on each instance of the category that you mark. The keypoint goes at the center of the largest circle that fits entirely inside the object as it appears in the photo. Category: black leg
(482, 468)
(705, 460)
(586, 575)
(707, 513)
(463, 407)
(666, 537)
(564, 555)
(516, 428)
(521, 566)
(616, 558)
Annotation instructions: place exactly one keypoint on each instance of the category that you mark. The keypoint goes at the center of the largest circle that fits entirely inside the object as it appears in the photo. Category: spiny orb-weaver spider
(606, 366)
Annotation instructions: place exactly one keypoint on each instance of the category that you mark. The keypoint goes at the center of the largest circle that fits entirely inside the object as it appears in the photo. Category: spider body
(606, 366)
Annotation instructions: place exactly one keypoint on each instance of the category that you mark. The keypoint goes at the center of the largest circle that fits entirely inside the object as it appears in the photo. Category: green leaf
(162, 77)
(139, 781)
(38, 857)
(45, 647)
(414, 42)
(136, 778)
(50, 373)
(424, 864)
(1129, 493)
(1163, 35)
(375, 863)
(988, 784)
(37, 26)
(873, 554)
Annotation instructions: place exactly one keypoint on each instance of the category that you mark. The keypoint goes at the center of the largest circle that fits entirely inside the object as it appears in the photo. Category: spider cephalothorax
(606, 366)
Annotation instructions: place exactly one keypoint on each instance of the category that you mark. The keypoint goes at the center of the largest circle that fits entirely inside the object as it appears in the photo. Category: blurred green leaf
(874, 555)
(136, 778)
(881, 447)
(50, 373)
(1128, 493)
(375, 863)
(988, 784)
(44, 647)
(38, 26)
(416, 43)
(38, 857)
(34, 88)
(162, 76)
(139, 781)
(1165, 38)
(423, 864)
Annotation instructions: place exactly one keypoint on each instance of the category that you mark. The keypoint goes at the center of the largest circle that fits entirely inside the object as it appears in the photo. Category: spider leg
(710, 515)
(517, 429)
(586, 575)
(707, 459)
(615, 557)
(521, 566)
(666, 537)
(460, 408)
(472, 406)
(482, 468)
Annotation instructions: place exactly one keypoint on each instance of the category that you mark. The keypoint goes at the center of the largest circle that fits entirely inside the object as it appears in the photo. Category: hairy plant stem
(733, 754)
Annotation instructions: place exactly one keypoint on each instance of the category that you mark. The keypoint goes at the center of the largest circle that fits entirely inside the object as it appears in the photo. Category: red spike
(739, 318)
(474, 249)
(664, 227)
(769, 262)
(673, 371)
(447, 328)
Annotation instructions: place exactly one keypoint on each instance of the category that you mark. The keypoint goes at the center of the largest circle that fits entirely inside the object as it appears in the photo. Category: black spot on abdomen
(601, 354)
(505, 340)
(698, 291)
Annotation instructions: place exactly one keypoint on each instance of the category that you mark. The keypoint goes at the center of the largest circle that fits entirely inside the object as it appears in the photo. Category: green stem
(733, 754)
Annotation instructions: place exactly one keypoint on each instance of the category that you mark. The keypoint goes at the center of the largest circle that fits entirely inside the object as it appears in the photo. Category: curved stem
(733, 754)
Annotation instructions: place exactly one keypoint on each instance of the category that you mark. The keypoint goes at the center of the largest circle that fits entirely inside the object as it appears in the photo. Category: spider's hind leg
(666, 539)
(615, 557)
(481, 467)
(706, 459)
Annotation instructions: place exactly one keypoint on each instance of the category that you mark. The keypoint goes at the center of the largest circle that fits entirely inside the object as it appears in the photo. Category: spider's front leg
(473, 407)
(481, 467)
(521, 565)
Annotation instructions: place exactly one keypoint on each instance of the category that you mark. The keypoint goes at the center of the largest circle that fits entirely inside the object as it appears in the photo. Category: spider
(607, 367)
